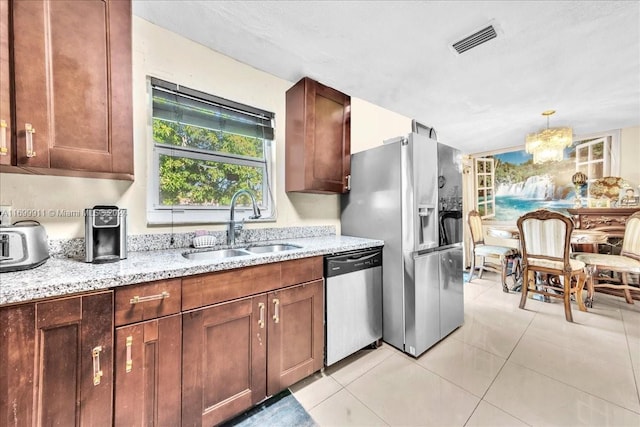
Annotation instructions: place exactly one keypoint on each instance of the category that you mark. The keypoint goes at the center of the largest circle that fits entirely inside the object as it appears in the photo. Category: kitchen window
(205, 148)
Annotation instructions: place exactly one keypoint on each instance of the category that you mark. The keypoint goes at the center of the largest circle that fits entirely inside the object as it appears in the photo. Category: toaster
(23, 245)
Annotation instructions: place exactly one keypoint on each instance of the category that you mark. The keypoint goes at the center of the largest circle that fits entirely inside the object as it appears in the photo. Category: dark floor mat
(281, 410)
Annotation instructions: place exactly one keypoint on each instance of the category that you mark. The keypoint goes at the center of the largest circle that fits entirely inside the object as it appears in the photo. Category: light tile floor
(495, 370)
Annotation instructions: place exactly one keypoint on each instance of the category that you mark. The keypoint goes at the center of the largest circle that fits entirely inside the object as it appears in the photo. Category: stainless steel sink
(279, 247)
(215, 254)
(230, 253)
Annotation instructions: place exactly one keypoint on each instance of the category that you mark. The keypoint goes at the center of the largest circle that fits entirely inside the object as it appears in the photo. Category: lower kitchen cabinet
(296, 334)
(57, 359)
(235, 354)
(148, 361)
(192, 351)
(224, 360)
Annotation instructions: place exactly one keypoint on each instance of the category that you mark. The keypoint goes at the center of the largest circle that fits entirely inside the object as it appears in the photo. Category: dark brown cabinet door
(148, 363)
(60, 356)
(296, 334)
(17, 358)
(224, 360)
(72, 85)
(318, 138)
(5, 90)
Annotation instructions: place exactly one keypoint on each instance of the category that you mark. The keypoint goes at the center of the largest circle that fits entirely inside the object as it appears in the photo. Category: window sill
(169, 217)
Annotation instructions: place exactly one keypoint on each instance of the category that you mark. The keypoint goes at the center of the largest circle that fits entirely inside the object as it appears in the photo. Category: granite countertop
(63, 276)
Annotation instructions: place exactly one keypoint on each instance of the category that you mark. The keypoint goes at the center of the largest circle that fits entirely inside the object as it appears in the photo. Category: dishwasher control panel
(350, 262)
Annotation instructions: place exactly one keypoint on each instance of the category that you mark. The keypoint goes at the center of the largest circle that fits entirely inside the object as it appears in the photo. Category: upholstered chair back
(545, 237)
(631, 242)
(475, 226)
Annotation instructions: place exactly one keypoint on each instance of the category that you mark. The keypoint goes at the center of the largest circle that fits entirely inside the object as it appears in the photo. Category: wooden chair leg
(627, 292)
(473, 266)
(580, 281)
(591, 286)
(503, 274)
(567, 297)
(526, 276)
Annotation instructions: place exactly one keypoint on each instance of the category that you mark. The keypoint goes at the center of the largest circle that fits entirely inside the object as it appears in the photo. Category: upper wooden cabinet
(72, 85)
(318, 138)
(5, 91)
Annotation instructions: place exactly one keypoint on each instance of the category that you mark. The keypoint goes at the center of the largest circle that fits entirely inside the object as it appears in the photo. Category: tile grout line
(342, 387)
(570, 385)
(498, 374)
(633, 369)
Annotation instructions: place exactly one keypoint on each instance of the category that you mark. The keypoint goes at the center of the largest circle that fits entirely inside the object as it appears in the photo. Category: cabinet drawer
(207, 289)
(146, 301)
(301, 270)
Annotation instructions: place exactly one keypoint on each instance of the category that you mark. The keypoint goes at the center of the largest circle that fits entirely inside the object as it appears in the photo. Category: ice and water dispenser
(105, 234)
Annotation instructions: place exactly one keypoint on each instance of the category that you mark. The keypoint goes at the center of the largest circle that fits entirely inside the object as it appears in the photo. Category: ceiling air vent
(475, 39)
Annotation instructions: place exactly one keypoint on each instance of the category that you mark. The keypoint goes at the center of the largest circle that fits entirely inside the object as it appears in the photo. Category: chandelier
(548, 145)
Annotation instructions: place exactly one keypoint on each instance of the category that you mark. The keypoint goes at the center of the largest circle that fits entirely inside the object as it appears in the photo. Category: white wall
(630, 155)
(165, 55)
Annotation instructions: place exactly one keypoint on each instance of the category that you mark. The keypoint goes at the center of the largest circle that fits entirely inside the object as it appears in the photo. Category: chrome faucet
(235, 226)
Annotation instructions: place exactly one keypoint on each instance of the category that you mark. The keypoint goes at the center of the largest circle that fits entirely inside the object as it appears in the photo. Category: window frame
(610, 158)
(488, 161)
(158, 214)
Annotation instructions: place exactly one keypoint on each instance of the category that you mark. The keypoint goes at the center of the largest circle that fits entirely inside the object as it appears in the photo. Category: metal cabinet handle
(3, 138)
(29, 131)
(129, 363)
(261, 319)
(138, 299)
(97, 372)
(276, 314)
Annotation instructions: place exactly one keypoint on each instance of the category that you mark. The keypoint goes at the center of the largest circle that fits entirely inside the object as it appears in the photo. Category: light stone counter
(64, 276)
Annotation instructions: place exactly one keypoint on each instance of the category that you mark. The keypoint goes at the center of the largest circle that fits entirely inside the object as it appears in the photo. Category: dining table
(579, 238)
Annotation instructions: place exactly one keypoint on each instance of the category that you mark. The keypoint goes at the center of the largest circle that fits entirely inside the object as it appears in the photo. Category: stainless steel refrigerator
(408, 192)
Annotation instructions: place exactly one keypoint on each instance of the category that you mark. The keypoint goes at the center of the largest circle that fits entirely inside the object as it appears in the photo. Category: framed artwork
(599, 203)
(629, 198)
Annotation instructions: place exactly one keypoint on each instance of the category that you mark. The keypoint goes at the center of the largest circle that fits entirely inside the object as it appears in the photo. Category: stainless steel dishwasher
(353, 295)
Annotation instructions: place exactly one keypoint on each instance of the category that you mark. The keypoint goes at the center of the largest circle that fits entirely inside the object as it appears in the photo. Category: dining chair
(625, 264)
(482, 250)
(545, 238)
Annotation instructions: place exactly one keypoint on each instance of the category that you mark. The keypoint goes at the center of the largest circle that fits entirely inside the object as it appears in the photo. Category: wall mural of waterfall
(522, 186)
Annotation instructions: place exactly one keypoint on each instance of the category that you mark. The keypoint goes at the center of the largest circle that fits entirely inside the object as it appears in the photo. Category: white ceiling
(581, 58)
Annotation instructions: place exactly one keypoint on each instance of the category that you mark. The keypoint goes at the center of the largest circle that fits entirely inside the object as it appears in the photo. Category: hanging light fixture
(548, 145)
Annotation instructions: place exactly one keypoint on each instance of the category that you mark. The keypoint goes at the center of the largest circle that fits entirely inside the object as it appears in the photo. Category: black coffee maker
(105, 234)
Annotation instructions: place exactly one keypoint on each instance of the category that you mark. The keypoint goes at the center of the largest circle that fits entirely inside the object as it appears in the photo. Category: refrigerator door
(424, 196)
(451, 291)
(423, 307)
(373, 209)
(449, 195)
